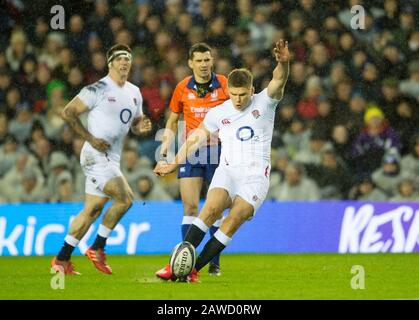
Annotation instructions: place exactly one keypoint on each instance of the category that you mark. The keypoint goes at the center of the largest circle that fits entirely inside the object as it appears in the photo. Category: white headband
(119, 53)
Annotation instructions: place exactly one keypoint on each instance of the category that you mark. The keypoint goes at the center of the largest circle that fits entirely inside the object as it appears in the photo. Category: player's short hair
(199, 47)
(116, 47)
(240, 78)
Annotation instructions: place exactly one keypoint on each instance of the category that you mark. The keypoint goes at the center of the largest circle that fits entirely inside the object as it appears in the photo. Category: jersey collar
(214, 83)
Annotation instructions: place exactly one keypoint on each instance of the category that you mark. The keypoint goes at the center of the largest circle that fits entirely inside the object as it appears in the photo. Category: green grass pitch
(245, 276)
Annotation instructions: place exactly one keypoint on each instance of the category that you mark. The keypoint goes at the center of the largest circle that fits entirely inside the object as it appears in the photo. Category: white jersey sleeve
(89, 96)
(211, 120)
(139, 112)
(266, 100)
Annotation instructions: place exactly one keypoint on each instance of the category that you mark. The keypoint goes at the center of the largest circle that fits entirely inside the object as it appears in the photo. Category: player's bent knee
(214, 211)
(126, 201)
(93, 211)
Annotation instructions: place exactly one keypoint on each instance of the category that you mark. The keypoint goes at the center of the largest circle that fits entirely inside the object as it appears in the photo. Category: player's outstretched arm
(169, 133)
(71, 114)
(280, 74)
(191, 144)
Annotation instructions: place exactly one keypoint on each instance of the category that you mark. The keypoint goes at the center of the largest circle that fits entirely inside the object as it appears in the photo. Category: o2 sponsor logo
(125, 115)
(245, 133)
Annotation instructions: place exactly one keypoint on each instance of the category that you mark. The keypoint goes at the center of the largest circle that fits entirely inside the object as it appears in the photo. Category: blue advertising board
(278, 227)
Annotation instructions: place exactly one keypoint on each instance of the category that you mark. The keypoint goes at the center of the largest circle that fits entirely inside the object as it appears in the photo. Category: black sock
(194, 235)
(99, 243)
(185, 228)
(211, 249)
(65, 252)
(216, 259)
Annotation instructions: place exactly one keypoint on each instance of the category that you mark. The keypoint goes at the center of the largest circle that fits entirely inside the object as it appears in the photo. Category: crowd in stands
(347, 127)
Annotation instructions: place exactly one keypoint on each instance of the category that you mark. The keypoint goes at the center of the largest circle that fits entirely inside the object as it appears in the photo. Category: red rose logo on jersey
(226, 121)
(256, 113)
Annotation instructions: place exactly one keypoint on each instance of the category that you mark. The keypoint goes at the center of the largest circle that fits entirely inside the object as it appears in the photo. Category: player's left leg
(240, 212)
(119, 191)
(213, 159)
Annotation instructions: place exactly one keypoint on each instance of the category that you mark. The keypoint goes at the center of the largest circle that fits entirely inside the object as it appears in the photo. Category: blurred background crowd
(347, 128)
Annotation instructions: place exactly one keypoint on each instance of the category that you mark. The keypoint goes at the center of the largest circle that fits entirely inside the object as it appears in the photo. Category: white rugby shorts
(98, 169)
(251, 184)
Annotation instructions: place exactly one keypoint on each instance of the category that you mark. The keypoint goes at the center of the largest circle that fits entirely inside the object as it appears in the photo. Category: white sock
(217, 223)
(104, 231)
(71, 241)
(201, 225)
(222, 237)
(188, 219)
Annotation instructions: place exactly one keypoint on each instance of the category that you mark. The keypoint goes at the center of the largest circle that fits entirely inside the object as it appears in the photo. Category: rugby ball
(183, 259)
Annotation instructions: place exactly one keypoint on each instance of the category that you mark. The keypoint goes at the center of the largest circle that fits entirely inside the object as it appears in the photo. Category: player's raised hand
(99, 144)
(281, 51)
(162, 168)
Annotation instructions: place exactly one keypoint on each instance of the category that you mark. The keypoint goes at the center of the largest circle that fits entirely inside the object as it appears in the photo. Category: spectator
(374, 141)
(58, 165)
(42, 152)
(312, 155)
(331, 176)
(389, 175)
(280, 161)
(296, 186)
(406, 191)
(30, 189)
(21, 126)
(50, 55)
(411, 85)
(4, 128)
(297, 136)
(365, 190)
(307, 107)
(133, 165)
(65, 189)
(78, 36)
(261, 30)
(18, 49)
(145, 190)
(9, 151)
(405, 121)
(410, 162)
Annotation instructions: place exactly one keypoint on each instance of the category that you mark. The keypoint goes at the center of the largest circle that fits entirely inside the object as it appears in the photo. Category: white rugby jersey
(245, 135)
(111, 111)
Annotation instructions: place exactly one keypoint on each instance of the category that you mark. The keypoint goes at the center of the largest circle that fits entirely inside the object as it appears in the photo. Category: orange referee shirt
(194, 108)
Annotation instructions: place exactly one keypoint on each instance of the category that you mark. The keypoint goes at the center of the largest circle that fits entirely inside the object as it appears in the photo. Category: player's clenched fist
(141, 125)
